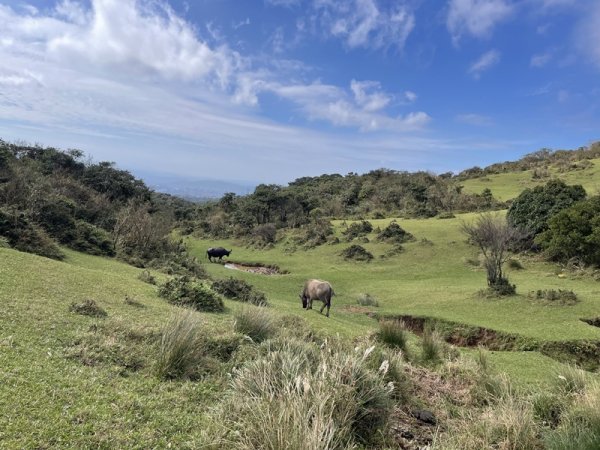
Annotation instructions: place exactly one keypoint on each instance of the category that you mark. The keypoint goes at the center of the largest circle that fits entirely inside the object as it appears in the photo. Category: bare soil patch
(259, 268)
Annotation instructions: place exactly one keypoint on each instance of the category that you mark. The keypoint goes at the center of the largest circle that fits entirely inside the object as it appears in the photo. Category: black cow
(217, 252)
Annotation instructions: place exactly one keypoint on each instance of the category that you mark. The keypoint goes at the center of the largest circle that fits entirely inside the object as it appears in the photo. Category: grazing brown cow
(317, 290)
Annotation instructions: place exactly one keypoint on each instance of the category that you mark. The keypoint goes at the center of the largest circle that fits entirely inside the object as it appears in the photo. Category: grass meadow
(71, 380)
(506, 186)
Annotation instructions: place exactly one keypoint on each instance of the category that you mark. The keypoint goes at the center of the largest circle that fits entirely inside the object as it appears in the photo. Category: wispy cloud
(476, 17)
(366, 23)
(478, 120)
(485, 62)
(540, 60)
(587, 34)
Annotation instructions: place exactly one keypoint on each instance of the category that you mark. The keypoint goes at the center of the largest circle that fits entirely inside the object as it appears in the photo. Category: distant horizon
(273, 90)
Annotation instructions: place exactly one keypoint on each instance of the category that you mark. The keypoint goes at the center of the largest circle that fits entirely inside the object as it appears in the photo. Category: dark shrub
(240, 290)
(394, 233)
(264, 234)
(515, 264)
(315, 233)
(88, 307)
(358, 229)
(574, 233)
(92, 240)
(532, 209)
(181, 291)
(357, 253)
(23, 235)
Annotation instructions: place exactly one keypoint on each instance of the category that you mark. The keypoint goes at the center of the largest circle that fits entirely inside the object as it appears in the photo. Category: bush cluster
(395, 233)
(181, 291)
(357, 253)
(358, 229)
(552, 295)
(240, 290)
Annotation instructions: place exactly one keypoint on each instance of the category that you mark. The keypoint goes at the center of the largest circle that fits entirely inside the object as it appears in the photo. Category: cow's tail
(332, 293)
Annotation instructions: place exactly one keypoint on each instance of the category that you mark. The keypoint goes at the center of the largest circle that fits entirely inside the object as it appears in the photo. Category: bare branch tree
(494, 236)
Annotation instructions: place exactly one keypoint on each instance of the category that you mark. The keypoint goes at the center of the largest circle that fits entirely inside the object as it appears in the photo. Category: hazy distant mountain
(194, 188)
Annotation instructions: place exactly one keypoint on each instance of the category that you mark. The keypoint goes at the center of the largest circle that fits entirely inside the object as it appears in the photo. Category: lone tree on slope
(494, 236)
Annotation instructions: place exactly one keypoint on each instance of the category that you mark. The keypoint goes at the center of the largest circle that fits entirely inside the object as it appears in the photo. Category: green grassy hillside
(48, 397)
(68, 380)
(429, 278)
(506, 186)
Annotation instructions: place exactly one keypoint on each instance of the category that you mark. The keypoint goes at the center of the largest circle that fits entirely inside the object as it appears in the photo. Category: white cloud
(540, 60)
(133, 71)
(587, 35)
(410, 96)
(478, 120)
(286, 3)
(368, 95)
(366, 23)
(361, 110)
(476, 17)
(485, 62)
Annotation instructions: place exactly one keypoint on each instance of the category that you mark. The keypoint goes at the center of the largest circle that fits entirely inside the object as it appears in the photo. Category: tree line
(50, 197)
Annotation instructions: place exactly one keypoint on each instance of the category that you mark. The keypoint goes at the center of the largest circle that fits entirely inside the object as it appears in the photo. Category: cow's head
(229, 251)
(304, 301)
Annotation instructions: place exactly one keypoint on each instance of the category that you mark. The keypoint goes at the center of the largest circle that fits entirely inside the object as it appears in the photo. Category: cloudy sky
(270, 90)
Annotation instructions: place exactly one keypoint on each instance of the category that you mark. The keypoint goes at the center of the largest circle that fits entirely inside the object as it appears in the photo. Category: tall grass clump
(255, 322)
(507, 425)
(367, 300)
(432, 347)
(580, 424)
(289, 400)
(393, 333)
(181, 348)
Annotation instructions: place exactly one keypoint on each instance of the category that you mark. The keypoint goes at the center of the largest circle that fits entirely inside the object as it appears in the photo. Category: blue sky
(271, 90)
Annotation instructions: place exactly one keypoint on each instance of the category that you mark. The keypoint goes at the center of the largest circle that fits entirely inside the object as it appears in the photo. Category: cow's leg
(322, 307)
(328, 305)
(309, 305)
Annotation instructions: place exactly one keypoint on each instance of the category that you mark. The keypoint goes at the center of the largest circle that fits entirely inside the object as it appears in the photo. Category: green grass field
(50, 399)
(507, 186)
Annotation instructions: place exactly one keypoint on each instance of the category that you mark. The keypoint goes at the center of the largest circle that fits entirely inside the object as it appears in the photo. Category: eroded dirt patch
(583, 353)
(595, 322)
(259, 268)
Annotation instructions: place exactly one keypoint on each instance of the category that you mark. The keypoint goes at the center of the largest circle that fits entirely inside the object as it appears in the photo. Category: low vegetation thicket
(574, 232)
(240, 290)
(51, 197)
(88, 307)
(357, 253)
(395, 233)
(357, 229)
(562, 296)
(379, 193)
(181, 291)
